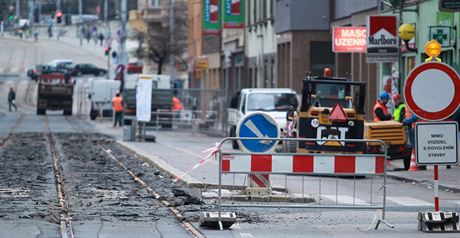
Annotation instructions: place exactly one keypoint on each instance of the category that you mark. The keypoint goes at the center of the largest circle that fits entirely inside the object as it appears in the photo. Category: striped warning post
(308, 164)
(259, 181)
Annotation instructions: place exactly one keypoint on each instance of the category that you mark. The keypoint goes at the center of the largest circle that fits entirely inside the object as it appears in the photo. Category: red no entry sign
(432, 91)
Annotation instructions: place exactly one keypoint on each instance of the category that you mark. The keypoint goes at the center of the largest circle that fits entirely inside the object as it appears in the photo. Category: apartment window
(155, 3)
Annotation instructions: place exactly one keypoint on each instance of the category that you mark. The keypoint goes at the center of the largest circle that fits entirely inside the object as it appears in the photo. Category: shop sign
(449, 5)
(234, 14)
(441, 34)
(382, 39)
(349, 39)
(212, 20)
(202, 63)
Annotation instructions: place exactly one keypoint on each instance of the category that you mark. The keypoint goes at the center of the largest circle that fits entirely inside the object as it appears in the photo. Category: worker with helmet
(399, 113)
(380, 108)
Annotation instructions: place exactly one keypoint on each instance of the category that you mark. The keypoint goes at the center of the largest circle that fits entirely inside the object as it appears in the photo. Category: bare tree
(159, 47)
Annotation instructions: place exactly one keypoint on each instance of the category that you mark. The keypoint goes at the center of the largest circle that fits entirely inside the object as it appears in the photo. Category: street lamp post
(80, 13)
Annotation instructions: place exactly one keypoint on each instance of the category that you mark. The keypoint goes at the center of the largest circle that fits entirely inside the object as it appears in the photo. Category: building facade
(204, 51)
(353, 65)
(260, 44)
(157, 12)
(430, 23)
(232, 58)
(303, 40)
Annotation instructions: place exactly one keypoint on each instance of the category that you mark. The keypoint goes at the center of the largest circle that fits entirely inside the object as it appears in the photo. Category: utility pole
(122, 46)
(106, 19)
(17, 9)
(58, 5)
(172, 59)
(105, 11)
(39, 10)
(80, 13)
(400, 68)
(30, 8)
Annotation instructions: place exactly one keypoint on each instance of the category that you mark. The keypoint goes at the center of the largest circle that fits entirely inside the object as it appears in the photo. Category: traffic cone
(413, 164)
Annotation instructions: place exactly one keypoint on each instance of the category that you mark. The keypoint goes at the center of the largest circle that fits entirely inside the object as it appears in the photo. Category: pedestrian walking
(380, 108)
(117, 106)
(101, 38)
(88, 36)
(12, 99)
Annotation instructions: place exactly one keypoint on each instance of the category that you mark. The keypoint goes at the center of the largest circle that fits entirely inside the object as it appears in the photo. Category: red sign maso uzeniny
(348, 39)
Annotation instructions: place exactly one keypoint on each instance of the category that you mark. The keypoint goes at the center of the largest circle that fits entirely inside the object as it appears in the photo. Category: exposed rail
(176, 213)
(13, 129)
(65, 218)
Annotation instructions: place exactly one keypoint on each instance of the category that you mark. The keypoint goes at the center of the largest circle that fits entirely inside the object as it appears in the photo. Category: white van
(274, 101)
(102, 92)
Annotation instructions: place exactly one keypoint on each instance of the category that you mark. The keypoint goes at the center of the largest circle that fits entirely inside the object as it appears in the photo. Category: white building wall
(260, 42)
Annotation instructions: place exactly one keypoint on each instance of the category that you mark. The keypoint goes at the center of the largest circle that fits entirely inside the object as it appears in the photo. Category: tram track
(65, 218)
(5, 140)
(186, 225)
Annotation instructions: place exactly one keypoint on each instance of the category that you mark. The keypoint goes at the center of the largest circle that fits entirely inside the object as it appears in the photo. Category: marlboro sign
(233, 13)
(211, 17)
(382, 39)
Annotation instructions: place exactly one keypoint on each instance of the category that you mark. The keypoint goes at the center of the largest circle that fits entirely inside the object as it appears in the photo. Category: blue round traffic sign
(258, 125)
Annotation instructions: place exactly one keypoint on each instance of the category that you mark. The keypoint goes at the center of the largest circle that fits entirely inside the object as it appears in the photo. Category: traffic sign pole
(436, 142)
(436, 188)
(262, 126)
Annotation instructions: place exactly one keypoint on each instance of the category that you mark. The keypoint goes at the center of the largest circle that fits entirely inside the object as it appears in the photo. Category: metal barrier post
(220, 190)
(158, 120)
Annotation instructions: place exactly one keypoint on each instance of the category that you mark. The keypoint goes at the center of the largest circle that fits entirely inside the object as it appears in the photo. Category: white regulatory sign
(436, 143)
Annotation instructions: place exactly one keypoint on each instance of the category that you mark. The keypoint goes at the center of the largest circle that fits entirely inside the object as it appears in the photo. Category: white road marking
(254, 128)
(246, 235)
(409, 201)
(342, 199)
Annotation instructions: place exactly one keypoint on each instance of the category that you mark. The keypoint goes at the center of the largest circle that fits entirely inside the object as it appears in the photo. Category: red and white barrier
(312, 164)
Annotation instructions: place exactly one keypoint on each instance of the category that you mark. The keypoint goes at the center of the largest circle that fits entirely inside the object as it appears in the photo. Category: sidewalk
(449, 179)
(176, 152)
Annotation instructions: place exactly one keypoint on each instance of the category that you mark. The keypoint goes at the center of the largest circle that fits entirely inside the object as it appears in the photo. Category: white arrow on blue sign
(258, 125)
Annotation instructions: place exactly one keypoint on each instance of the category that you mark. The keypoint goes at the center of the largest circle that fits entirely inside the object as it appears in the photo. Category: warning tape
(210, 155)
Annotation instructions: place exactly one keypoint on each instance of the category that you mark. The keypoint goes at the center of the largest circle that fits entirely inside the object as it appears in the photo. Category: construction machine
(333, 108)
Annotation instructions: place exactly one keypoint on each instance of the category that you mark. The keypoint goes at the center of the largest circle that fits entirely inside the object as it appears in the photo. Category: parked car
(80, 69)
(60, 63)
(43, 69)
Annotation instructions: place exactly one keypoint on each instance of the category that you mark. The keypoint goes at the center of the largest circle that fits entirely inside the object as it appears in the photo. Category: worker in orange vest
(176, 104)
(117, 106)
(380, 108)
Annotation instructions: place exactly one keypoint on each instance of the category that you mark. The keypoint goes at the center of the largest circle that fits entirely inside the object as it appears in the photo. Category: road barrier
(305, 168)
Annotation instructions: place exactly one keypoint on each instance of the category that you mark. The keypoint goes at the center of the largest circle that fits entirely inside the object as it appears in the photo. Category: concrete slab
(28, 228)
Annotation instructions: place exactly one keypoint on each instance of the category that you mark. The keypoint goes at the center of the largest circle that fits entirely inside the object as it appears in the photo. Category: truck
(333, 108)
(274, 101)
(55, 92)
(101, 94)
(161, 98)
